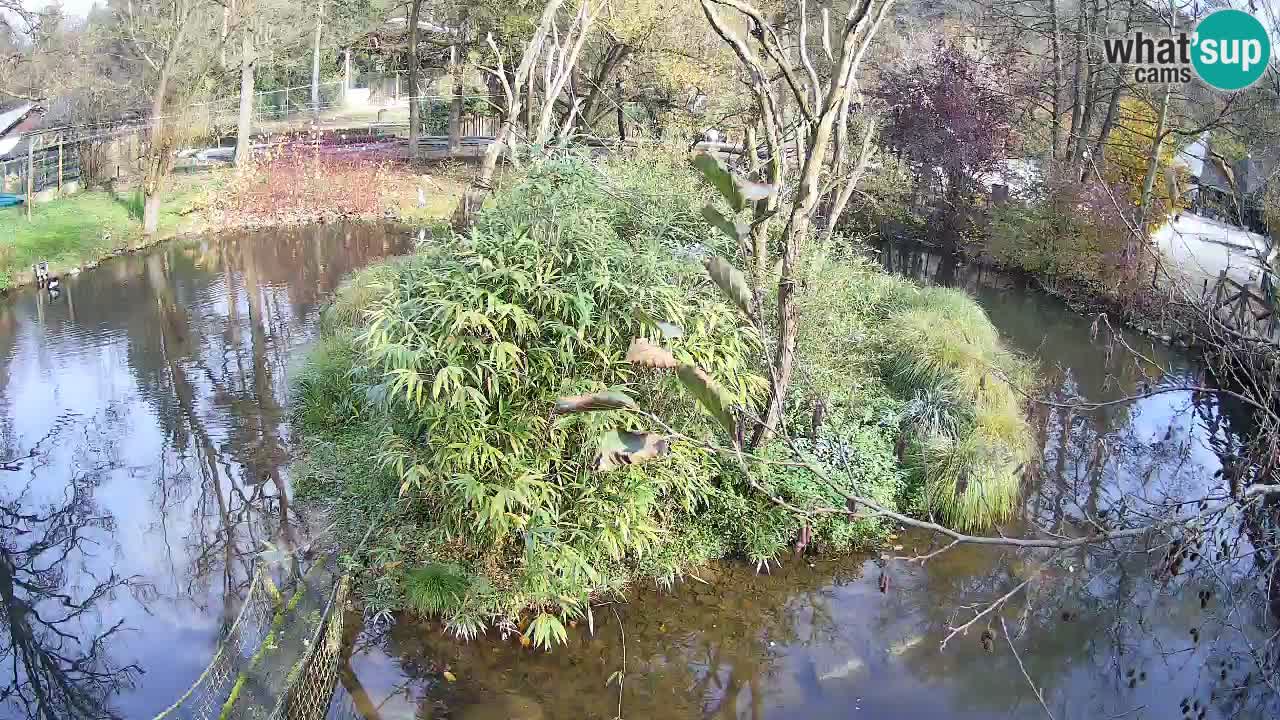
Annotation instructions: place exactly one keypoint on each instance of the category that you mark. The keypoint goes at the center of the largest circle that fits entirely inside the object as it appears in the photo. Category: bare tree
(171, 38)
(562, 53)
(813, 107)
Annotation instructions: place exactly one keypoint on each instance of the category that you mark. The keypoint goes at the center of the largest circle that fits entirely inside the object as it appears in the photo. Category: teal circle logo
(1231, 50)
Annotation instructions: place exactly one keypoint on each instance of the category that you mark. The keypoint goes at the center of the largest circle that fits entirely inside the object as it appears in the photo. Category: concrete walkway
(1202, 248)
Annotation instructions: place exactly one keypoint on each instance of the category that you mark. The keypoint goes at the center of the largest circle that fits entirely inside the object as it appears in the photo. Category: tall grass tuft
(970, 434)
(323, 390)
(357, 294)
(435, 588)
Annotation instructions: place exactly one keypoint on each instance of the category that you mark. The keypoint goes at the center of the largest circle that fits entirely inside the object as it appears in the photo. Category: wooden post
(59, 167)
(31, 174)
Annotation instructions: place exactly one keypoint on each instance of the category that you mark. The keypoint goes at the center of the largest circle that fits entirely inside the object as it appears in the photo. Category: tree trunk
(622, 121)
(1108, 120)
(455, 106)
(160, 146)
(1055, 43)
(244, 128)
(613, 59)
(151, 213)
(415, 119)
(1153, 163)
(1077, 95)
(315, 61)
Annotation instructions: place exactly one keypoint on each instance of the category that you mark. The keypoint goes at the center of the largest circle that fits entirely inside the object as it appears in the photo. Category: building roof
(13, 115)
(13, 143)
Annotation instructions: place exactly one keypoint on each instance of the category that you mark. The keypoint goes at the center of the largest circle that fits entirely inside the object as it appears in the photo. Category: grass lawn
(78, 229)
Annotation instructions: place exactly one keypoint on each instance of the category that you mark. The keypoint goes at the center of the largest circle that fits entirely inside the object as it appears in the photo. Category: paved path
(1203, 248)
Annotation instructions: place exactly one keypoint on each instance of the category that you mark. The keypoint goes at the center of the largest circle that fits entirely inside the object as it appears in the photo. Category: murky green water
(143, 436)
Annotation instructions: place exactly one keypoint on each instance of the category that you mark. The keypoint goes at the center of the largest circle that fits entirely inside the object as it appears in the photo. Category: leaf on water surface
(607, 400)
(646, 354)
(731, 282)
(619, 448)
(709, 393)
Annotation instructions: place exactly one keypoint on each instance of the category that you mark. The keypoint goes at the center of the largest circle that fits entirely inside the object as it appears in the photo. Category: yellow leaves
(450, 676)
(1128, 152)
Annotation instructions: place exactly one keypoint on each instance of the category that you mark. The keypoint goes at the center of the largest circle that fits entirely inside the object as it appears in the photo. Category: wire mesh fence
(276, 650)
(50, 168)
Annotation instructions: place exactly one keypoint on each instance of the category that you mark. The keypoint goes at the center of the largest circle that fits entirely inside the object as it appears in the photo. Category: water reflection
(55, 668)
(1099, 632)
(179, 357)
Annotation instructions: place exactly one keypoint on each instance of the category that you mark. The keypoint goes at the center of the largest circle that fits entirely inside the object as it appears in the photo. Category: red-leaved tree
(948, 117)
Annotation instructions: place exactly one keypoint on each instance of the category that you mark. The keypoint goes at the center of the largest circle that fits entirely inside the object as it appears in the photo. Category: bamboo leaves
(546, 631)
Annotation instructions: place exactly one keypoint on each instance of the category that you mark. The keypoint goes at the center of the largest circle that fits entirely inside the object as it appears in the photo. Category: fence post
(59, 167)
(31, 173)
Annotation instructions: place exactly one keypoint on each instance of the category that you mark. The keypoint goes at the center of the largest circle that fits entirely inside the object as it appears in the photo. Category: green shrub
(323, 389)
(435, 588)
(450, 363)
(464, 350)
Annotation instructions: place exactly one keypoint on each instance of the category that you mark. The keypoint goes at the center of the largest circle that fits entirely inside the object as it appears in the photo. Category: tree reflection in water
(189, 343)
(55, 663)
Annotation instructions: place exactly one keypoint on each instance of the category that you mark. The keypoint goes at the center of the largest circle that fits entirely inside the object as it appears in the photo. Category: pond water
(143, 465)
(143, 453)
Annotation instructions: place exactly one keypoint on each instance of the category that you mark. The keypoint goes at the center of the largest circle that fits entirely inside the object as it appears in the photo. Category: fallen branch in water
(1038, 693)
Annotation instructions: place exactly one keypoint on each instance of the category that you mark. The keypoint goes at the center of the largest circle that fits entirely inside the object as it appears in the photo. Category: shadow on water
(817, 639)
(143, 449)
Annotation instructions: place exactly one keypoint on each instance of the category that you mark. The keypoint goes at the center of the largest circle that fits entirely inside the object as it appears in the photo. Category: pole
(346, 72)
(59, 167)
(31, 173)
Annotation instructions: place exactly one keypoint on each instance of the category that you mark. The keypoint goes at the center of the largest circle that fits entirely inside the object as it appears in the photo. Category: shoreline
(397, 201)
